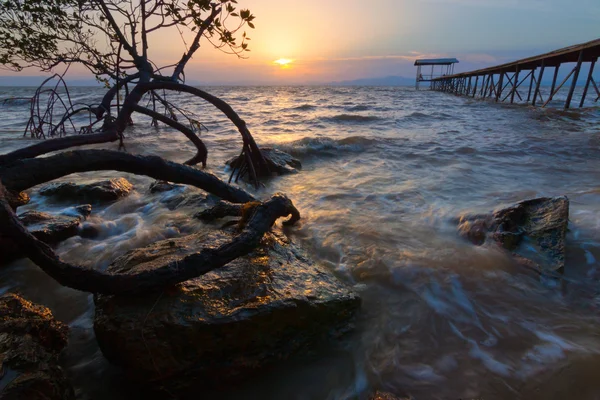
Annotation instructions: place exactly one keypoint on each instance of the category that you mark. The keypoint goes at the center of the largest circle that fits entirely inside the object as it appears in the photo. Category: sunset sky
(348, 39)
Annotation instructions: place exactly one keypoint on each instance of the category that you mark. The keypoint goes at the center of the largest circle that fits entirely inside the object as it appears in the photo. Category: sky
(336, 40)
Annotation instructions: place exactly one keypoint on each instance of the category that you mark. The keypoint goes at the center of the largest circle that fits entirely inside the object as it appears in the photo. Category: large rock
(48, 228)
(30, 343)
(234, 320)
(282, 163)
(533, 230)
(109, 190)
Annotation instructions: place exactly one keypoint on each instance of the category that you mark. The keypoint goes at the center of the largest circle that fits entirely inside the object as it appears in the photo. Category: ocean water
(385, 171)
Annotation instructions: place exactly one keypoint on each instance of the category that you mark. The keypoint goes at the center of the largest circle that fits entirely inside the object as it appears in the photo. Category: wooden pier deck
(502, 82)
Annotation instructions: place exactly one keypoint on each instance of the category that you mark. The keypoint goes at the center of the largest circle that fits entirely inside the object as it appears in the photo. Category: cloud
(411, 56)
(519, 4)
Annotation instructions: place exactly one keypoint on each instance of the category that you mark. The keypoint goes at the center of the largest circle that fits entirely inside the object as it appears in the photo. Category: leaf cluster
(111, 38)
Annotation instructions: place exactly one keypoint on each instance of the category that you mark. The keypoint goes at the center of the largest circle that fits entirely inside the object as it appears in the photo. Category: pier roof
(591, 51)
(436, 61)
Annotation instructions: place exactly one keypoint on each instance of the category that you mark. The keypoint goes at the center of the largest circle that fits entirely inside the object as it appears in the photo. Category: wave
(419, 116)
(16, 101)
(326, 146)
(360, 107)
(342, 118)
(304, 107)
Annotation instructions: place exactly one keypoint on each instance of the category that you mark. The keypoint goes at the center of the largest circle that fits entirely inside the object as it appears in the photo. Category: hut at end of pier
(446, 68)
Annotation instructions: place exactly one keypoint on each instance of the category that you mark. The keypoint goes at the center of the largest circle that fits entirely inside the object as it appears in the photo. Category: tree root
(27, 173)
(194, 265)
(24, 174)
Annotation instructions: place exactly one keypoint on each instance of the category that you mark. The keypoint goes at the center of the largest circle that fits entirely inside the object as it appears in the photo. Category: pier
(502, 82)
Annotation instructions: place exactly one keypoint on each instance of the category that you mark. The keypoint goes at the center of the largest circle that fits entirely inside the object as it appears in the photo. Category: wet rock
(17, 199)
(30, 343)
(385, 396)
(188, 200)
(109, 190)
(282, 163)
(533, 230)
(164, 186)
(48, 228)
(226, 324)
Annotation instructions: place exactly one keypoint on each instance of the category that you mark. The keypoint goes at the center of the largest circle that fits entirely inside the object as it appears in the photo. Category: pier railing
(502, 82)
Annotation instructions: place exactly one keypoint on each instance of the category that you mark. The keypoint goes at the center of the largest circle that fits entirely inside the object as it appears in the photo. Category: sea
(386, 171)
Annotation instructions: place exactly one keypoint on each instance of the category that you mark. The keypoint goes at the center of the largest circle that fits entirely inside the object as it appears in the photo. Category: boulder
(228, 323)
(30, 343)
(533, 230)
(281, 163)
(109, 190)
(48, 228)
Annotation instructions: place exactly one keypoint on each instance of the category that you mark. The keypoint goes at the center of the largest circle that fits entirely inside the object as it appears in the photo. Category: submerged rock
(48, 228)
(188, 199)
(109, 190)
(175, 196)
(163, 186)
(533, 230)
(252, 312)
(281, 162)
(30, 343)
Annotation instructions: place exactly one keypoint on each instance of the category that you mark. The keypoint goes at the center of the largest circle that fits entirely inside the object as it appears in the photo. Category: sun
(283, 62)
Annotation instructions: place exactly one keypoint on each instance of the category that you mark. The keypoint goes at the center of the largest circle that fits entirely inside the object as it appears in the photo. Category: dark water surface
(385, 171)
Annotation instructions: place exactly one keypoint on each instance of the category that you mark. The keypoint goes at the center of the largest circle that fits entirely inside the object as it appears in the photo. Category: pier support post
(492, 85)
(484, 86)
(554, 80)
(530, 85)
(539, 82)
(515, 85)
(587, 82)
(499, 90)
(574, 83)
(475, 88)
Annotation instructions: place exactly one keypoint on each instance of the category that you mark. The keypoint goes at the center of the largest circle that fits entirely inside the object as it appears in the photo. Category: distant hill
(383, 81)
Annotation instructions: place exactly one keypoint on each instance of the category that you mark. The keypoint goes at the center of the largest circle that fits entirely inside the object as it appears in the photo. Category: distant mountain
(383, 81)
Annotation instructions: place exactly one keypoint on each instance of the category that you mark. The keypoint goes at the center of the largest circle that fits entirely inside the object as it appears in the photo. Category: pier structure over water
(502, 82)
(446, 67)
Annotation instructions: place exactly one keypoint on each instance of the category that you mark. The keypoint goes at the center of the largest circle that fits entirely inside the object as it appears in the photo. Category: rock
(533, 230)
(188, 199)
(48, 228)
(163, 186)
(256, 310)
(385, 396)
(17, 199)
(109, 190)
(181, 195)
(282, 163)
(30, 343)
